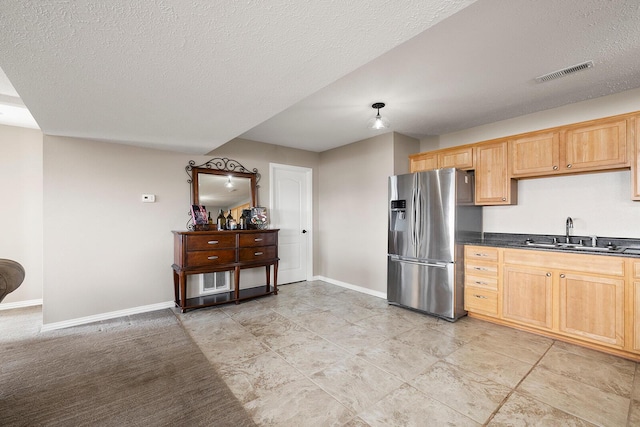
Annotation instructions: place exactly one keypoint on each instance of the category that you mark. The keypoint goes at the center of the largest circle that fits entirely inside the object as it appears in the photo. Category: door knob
(304, 231)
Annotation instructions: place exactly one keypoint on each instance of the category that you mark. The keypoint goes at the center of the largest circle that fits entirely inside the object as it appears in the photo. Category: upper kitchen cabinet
(610, 143)
(535, 154)
(423, 162)
(634, 125)
(596, 145)
(590, 146)
(457, 157)
(493, 184)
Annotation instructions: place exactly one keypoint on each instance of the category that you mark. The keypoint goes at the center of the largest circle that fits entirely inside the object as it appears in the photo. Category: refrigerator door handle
(426, 264)
(414, 219)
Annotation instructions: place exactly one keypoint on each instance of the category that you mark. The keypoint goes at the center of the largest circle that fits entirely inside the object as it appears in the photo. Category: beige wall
(352, 232)
(21, 211)
(599, 203)
(105, 250)
(403, 146)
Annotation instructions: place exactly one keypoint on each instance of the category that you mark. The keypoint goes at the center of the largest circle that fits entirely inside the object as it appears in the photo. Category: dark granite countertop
(620, 246)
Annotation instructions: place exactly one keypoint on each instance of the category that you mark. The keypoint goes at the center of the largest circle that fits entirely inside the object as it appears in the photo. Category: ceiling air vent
(564, 72)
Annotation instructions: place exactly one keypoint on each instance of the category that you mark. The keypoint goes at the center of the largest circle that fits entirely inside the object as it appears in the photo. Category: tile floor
(321, 355)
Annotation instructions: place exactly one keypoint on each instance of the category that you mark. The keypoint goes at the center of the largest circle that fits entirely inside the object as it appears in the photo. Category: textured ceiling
(191, 75)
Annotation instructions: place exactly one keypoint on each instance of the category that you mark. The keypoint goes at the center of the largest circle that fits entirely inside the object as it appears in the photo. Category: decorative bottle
(222, 221)
(231, 223)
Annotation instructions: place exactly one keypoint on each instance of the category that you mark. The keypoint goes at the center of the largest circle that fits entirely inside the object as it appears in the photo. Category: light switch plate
(148, 198)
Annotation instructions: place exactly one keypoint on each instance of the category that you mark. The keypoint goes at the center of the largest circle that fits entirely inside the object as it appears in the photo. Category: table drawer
(215, 257)
(474, 268)
(480, 300)
(257, 239)
(483, 253)
(490, 283)
(257, 253)
(207, 242)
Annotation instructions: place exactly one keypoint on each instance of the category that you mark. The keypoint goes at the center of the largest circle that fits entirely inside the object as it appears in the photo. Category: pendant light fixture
(378, 122)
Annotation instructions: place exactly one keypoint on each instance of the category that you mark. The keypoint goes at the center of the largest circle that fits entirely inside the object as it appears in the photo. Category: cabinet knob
(212, 257)
(548, 274)
(479, 296)
(258, 253)
(212, 242)
(569, 166)
(257, 240)
(480, 283)
(504, 199)
(562, 276)
(555, 168)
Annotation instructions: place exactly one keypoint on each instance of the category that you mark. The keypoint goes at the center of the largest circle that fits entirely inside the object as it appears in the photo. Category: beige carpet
(141, 370)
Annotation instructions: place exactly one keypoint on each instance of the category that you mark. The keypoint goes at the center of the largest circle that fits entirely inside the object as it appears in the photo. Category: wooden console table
(198, 252)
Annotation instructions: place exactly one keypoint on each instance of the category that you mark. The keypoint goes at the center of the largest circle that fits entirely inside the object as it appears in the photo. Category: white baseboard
(20, 304)
(356, 288)
(106, 316)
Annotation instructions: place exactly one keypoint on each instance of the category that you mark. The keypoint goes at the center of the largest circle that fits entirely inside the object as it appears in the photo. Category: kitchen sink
(573, 247)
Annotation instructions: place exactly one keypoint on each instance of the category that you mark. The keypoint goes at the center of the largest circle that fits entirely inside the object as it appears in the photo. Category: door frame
(308, 172)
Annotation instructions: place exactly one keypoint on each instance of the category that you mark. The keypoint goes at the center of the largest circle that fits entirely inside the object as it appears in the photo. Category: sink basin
(570, 246)
(587, 248)
(542, 245)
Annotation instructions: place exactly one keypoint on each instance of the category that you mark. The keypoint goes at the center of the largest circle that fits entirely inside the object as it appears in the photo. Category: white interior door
(291, 201)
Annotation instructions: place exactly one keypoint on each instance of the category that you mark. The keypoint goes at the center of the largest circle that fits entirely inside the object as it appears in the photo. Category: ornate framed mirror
(223, 183)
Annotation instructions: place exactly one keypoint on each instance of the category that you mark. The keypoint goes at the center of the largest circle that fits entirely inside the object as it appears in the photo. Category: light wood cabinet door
(461, 158)
(493, 185)
(592, 308)
(535, 155)
(601, 145)
(528, 296)
(423, 162)
(634, 123)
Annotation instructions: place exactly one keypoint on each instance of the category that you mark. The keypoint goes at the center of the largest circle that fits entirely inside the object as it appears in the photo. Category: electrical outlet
(148, 198)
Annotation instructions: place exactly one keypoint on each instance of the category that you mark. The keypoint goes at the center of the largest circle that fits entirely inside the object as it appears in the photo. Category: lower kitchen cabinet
(481, 280)
(633, 304)
(591, 300)
(527, 296)
(592, 307)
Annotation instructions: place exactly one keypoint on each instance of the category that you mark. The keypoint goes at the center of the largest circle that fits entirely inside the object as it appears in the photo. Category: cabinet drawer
(211, 258)
(490, 283)
(483, 253)
(207, 242)
(257, 239)
(476, 268)
(480, 300)
(257, 253)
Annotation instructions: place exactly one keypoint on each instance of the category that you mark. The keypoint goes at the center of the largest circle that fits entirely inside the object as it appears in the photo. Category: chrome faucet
(568, 225)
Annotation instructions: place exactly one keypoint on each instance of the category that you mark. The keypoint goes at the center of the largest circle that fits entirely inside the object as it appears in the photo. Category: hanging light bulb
(378, 122)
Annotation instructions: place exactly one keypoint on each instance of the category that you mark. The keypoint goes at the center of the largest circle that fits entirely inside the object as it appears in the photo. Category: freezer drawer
(425, 286)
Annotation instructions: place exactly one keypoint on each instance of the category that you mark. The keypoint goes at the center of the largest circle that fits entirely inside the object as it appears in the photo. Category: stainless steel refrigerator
(430, 215)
